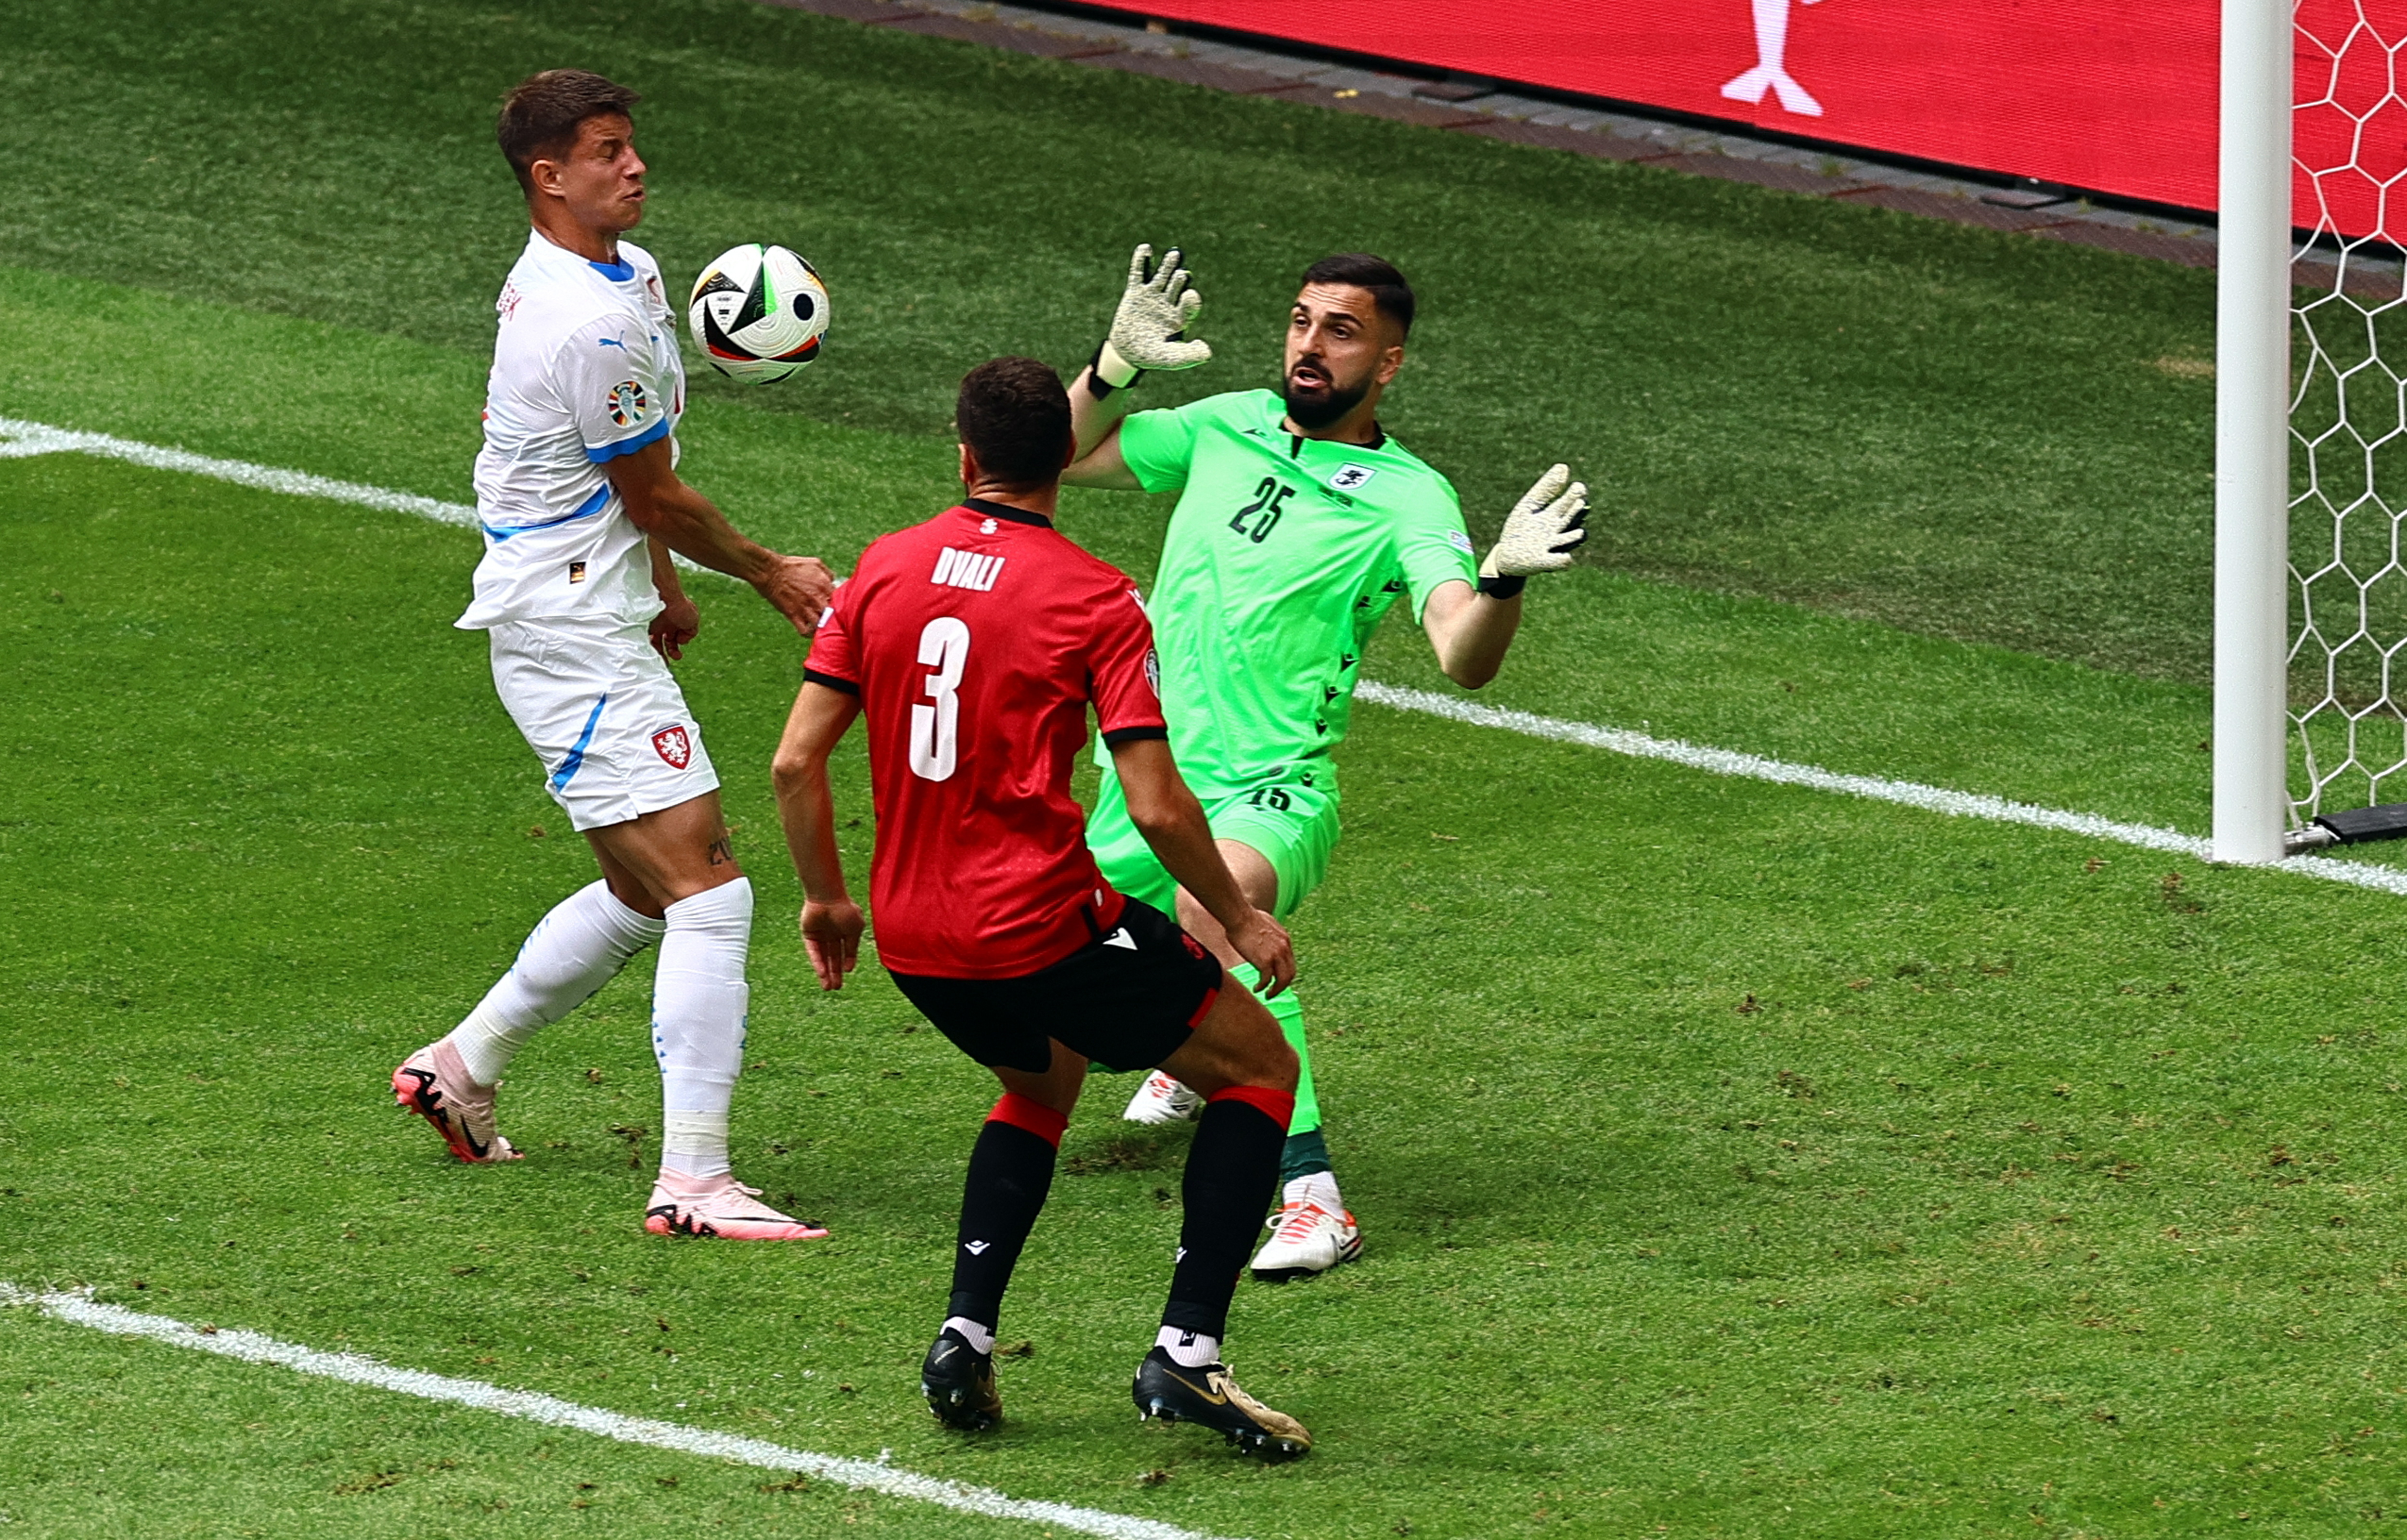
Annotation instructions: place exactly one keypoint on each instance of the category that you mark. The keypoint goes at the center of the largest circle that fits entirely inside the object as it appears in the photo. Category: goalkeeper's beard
(1318, 406)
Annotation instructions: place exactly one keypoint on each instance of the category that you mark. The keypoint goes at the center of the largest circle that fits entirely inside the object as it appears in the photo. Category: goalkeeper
(1299, 523)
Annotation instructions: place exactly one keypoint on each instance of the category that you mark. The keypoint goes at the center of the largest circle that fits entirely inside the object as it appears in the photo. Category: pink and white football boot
(719, 1206)
(433, 1083)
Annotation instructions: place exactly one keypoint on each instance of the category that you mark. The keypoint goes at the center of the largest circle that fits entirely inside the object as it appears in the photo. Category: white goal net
(2348, 409)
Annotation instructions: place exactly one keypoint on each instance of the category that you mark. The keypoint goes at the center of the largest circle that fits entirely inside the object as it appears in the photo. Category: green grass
(1963, 435)
(1818, 1177)
(1735, 1159)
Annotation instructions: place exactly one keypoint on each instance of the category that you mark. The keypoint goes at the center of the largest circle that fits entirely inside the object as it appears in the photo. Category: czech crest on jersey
(673, 746)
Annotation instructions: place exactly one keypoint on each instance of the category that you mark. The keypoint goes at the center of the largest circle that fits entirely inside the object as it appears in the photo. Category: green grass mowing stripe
(355, 1369)
(19, 439)
(1961, 432)
(1601, 646)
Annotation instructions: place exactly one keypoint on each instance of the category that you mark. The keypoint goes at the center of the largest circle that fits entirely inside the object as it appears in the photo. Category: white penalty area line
(1912, 794)
(19, 438)
(80, 1309)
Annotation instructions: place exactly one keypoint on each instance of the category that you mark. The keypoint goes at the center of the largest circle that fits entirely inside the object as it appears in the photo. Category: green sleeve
(1433, 547)
(1158, 446)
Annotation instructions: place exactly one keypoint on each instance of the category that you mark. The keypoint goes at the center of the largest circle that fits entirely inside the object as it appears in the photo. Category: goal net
(2348, 409)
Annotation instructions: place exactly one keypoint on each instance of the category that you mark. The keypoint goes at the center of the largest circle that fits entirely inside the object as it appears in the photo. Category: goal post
(2252, 434)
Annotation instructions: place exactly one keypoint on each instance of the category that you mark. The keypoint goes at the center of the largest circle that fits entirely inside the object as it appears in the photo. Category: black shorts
(1127, 1000)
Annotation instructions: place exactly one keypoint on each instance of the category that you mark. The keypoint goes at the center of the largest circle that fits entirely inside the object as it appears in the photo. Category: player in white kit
(581, 505)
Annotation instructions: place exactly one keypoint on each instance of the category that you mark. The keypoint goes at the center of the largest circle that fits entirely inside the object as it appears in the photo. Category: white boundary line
(80, 1309)
(1912, 794)
(20, 438)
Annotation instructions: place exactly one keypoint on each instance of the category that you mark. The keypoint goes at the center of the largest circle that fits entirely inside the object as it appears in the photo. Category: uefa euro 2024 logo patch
(1351, 477)
(628, 402)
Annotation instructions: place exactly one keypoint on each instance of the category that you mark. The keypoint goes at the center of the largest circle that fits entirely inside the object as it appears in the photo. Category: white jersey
(585, 370)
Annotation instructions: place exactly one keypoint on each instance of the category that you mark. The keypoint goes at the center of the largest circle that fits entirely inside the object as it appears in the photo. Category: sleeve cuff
(605, 454)
(1117, 736)
(813, 676)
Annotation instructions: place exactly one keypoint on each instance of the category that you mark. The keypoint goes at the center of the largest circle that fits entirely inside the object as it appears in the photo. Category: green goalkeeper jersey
(1282, 556)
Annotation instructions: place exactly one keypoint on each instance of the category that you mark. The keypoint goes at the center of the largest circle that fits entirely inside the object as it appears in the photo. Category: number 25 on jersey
(935, 728)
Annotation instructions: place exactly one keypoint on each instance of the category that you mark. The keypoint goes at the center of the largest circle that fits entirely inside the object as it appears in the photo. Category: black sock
(1231, 1170)
(1011, 1170)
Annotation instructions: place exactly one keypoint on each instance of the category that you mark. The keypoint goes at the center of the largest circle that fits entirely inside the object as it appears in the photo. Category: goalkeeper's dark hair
(1015, 415)
(541, 114)
(1388, 290)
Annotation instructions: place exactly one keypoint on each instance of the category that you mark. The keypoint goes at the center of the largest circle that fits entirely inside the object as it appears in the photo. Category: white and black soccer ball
(759, 312)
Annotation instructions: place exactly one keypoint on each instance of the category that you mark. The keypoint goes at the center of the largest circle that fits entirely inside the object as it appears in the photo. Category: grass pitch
(1735, 1159)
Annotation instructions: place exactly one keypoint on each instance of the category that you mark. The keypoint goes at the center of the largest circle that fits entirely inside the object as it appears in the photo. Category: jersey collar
(1006, 510)
(1297, 441)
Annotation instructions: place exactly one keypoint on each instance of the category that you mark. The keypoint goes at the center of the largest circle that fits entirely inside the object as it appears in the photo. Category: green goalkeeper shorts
(1295, 827)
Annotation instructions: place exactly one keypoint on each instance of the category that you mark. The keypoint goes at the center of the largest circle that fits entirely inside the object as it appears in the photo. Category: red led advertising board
(2110, 95)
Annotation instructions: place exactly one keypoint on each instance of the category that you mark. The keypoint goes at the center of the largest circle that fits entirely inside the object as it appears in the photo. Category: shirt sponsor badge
(1351, 477)
(628, 402)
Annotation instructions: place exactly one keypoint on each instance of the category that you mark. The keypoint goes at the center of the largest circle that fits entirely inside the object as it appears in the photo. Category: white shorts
(604, 715)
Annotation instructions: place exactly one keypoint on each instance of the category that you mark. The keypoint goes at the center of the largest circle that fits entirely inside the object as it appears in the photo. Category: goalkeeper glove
(1540, 534)
(1159, 304)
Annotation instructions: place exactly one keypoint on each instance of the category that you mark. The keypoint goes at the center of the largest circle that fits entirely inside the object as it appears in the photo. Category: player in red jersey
(974, 644)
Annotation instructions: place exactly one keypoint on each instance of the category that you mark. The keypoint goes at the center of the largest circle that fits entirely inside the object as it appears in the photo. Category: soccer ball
(759, 312)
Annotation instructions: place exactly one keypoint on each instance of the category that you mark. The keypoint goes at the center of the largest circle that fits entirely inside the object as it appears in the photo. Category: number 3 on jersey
(935, 729)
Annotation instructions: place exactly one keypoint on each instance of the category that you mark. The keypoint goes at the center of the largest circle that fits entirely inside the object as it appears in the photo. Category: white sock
(699, 1005)
(1188, 1349)
(1321, 1188)
(977, 1336)
(572, 951)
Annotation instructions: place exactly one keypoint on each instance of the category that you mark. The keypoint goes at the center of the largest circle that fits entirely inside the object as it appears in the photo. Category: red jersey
(975, 642)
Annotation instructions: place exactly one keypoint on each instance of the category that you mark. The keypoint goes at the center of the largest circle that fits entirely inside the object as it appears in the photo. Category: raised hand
(1543, 529)
(1147, 331)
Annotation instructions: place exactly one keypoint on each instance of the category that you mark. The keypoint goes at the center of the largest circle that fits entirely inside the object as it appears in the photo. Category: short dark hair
(1388, 290)
(1015, 415)
(541, 114)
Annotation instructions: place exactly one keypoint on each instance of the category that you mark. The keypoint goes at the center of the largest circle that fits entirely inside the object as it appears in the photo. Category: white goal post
(2252, 436)
(2311, 430)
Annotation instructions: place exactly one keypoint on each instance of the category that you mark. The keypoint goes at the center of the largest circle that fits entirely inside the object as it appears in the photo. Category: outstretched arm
(1173, 823)
(1148, 333)
(832, 922)
(1471, 631)
(674, 514)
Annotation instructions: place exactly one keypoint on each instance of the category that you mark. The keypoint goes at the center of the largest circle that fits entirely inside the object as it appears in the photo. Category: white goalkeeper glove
(1158, 306)
(1540, 534)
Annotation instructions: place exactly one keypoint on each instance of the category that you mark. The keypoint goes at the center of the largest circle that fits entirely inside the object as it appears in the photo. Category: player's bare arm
(675, 515)
(679, 622)
(832, 923)
(1148, 333)
(1173, 823)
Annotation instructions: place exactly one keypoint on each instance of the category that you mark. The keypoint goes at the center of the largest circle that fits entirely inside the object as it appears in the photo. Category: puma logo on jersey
(966, 569)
